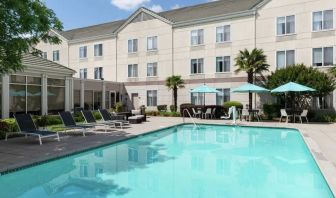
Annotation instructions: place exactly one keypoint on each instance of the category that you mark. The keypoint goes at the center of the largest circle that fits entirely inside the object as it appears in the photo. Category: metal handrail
(186, 110)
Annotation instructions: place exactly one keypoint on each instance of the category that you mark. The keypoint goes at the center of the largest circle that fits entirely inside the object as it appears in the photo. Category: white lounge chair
(284, 114)
(207, 113)
(302, 115)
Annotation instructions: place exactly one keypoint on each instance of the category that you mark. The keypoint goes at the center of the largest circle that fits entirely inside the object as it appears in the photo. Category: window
(285, 58)
(223, 96)
(132, 70)
(197, 66)
(223, 34)
(132, 45)
(56, 95)
(197, 98)
(152, 43)
(83, 52)
(98, 50)
(325, 102)
(98, 73)
(323, 56)
(45, 55)
(197, 37)
(152, 69)
(132, 154)
(83, 73)
(323, 20)
(286, 25)
(223, 64)
(151, 98)
(56, 55)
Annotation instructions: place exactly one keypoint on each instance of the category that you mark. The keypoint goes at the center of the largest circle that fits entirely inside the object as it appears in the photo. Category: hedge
(237, 104)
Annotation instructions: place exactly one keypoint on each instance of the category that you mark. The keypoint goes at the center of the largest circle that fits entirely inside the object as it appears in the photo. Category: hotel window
(45, 55)
(197, 98)
(83, 52)
(223, 64)
(152, 98)
(151, 69)
(323, 56)
(98, 73)
(286, 25)
(197, 66)
(132, 45)
(285, 58)
(56, 55)
(98, 50)
(132, 70)
(222, 96)
(223, 34)
(152, 43)
(197, 37)
(323, 20)
(56, 95)
(83, 73)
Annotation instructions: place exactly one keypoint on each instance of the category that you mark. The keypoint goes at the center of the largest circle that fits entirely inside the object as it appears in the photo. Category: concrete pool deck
(20, 152)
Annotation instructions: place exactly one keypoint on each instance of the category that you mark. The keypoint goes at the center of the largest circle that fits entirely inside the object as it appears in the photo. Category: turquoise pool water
(181, 162)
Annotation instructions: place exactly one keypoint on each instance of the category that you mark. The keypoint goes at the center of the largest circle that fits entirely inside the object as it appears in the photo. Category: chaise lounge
(108, 118)
(70, 123)
(90, 119)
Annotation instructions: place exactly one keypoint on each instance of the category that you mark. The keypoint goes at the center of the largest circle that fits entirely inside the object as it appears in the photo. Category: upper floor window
(152, 69)
(197, 37)
(83, 52)
(98, 50)
(132, 70)
(323, 20)
(45, 55)
(197, 66)
(83, 73)
(56, 55)
(151, 98)
(223, 34)
(286, 25)
(323, 56)
(98, 73)
(223, 64)
(152, 43)
(285, 58)
(132, 45)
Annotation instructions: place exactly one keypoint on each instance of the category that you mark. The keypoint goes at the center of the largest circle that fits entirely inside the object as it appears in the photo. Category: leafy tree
(253, 63)
(174, 83)
(23, 23)
(333, 71)
(308, 76)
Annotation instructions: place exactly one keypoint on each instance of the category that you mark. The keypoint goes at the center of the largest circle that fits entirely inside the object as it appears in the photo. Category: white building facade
(199, 43)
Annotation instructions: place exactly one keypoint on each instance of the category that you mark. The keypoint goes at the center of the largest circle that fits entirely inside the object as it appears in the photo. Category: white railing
(192, 119)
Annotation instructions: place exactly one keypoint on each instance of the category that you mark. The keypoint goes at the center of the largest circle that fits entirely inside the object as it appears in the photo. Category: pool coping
(325, 166)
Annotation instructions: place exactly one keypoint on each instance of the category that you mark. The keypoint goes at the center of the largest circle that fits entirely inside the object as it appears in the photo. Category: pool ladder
(192, 119)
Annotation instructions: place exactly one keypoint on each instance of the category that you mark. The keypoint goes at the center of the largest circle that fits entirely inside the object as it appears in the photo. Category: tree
(22, 25)
(253, 63)
(174, 83)
(333, 71)
(308, 76)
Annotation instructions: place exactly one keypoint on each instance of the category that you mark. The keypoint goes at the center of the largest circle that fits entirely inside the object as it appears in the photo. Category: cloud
(156, 8)
(176, 6)
(128, 4)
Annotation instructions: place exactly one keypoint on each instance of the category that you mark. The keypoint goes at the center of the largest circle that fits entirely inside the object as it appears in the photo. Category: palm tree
(252, 63)
(174, 83)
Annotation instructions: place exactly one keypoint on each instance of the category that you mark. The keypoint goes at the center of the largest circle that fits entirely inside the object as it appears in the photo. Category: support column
(67, 94)
(82, 91)
(103, 95)
(44, 95)
(5, 97)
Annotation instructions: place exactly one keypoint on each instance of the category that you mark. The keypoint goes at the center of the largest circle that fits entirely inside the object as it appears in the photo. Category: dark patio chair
(90, 119)
(70, 123)
(107, 117)
(27, 127)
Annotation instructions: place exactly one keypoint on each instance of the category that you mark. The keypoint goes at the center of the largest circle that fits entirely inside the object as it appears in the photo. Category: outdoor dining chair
(207, 113)
(302, 115)
(284, 115)
(196, 113)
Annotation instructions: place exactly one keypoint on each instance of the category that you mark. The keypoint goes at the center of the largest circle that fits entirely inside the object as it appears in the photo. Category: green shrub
(162, 108)
(173, 108)
(42, 121)
(271, 110)
(118, 107)
(54, 120)
(237, 104)
(164, 114)
(324, 118)
(7, 125)
(97, 115)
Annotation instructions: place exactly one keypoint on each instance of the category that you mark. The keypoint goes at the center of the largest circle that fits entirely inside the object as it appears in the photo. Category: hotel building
(199, 43)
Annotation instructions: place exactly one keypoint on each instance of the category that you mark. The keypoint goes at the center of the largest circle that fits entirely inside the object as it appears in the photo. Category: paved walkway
(19, 152)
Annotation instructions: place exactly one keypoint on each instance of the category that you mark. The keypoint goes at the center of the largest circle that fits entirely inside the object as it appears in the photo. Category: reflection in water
(214, 161)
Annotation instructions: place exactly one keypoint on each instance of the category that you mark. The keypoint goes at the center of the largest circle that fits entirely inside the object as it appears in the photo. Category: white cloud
(128, 4)
(176, 6)
(156, 8)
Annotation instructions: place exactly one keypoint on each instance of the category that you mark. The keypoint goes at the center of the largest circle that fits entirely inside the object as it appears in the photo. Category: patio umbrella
(204, 89)
(249, 88)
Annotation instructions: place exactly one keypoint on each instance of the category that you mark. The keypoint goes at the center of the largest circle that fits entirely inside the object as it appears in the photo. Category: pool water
(183, 161)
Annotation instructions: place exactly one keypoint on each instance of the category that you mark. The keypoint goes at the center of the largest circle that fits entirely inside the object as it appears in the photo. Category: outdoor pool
(183, 161)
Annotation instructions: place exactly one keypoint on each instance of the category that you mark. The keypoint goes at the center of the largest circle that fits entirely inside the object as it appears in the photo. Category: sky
(81, 13)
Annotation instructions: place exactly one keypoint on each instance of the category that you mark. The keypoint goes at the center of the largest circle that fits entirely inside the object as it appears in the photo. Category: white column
(82, 91)
(44, 95)
(103, 95)
(67, 95)
(5, 96)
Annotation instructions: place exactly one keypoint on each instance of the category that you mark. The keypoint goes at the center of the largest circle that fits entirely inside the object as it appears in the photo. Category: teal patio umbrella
(204, 89)
(249, 88)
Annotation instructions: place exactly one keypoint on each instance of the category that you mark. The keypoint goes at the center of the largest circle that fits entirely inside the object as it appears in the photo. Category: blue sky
(81, 13)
